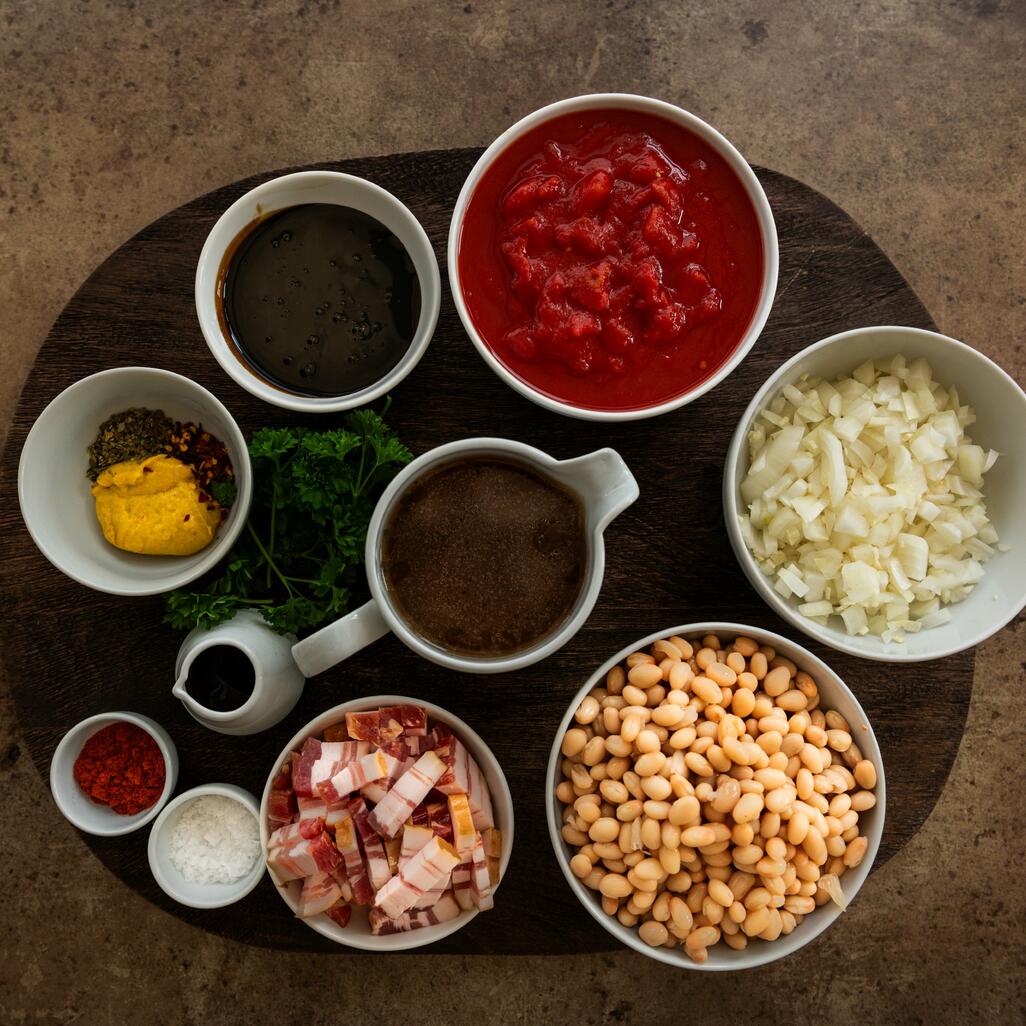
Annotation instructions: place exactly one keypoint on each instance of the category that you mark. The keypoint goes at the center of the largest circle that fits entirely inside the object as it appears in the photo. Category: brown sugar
(485, 556)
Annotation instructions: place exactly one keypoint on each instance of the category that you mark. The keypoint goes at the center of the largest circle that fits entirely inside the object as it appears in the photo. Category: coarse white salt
(215, 840)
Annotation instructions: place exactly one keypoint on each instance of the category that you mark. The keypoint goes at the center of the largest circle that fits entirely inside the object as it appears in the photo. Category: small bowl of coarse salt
(204, 848)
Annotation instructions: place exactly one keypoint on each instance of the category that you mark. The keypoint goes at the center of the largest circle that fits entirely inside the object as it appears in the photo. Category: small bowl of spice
(134, 481)
(113, 773)
(204, 848)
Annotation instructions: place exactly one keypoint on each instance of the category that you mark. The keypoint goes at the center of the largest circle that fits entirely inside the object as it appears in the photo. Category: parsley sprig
(301, 550)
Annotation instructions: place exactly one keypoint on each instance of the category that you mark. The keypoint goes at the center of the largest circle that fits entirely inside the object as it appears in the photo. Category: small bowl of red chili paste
(612, 257)
(113, 773)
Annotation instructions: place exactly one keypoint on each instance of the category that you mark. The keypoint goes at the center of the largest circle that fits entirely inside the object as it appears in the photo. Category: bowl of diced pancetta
(387, 824)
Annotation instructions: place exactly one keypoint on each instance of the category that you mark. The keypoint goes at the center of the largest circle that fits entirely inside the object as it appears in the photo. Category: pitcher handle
(339, 640)
(605, 481)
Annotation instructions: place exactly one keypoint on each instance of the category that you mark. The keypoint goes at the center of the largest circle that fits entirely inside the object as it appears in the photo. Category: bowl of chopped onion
(873, 494)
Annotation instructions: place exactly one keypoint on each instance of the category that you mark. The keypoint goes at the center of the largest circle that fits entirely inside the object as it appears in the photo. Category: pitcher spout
(178, 688)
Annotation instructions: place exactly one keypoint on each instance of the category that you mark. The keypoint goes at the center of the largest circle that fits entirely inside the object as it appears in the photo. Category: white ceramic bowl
(835, 695)
(55, 497)
(1000, 407)
(82, 811)
(293, 190)
(675, 115)
(171, 881)
(357, 933)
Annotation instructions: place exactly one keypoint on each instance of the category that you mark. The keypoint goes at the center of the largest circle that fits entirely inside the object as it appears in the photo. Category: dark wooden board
(71, 652)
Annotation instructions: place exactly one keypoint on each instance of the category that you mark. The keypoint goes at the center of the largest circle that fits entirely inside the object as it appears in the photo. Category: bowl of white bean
(715, 796)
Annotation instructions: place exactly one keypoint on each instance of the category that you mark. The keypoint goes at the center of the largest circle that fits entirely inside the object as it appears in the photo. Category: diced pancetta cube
(438, 818)
(429, 898)
(312, 808)
(293, 832)
(335, 812)
(461, 881)
(393, 851)
(363, 725)
(281, 807)
(414, 720)
(303, 857)
(335, 756)
(336, 732)
(493, 852)
(341, 912)
(402, 720)
(373, 848)
(281, 804)
(462, 821)
(414, 838)
(375, 790)
(339, 873)
(396, 896)
(302, 766)
(283, 778)
(438, 734)
(353, 777)
(379, 726)
(480, 797)
(349, 847)
(480, 884)
(444, 910)
(411, 746)
(408, 792)
(320, 891)
(406, 750)
(429, 867)
(462, 775)
(492, 842)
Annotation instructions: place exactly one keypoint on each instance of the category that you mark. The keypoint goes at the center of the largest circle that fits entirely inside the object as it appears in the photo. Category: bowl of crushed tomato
(612, 257)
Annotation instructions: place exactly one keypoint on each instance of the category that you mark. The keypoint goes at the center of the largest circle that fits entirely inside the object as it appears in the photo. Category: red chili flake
(207, 455)
(187, 515)
(121, 766)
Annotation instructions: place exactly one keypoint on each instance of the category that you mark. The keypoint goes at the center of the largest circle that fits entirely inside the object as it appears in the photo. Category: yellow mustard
(152, 506)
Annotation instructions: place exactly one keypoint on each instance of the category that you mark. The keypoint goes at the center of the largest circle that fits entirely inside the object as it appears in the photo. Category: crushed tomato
(611, 259)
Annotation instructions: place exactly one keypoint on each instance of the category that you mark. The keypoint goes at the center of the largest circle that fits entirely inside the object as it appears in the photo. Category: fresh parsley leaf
(224, 493)
(301, 553)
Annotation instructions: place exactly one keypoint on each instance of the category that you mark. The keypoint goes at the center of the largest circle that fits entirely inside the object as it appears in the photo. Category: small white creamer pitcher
(277, 681)
(602, 482)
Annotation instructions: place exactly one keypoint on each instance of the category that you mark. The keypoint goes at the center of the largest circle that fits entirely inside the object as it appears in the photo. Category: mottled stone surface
(910, 115)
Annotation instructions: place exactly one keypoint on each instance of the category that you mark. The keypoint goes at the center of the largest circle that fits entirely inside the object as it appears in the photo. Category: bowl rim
(79, 734)
(211, 255)
(628, 936)
(242, 886)
(412, 938)
(835, 638)
(206, 558)
(681, 117)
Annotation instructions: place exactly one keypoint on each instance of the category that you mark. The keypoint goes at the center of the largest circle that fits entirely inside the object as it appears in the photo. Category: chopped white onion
(864, 498)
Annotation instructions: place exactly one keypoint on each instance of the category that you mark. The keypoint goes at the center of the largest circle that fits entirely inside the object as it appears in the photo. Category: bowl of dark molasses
(317, 291)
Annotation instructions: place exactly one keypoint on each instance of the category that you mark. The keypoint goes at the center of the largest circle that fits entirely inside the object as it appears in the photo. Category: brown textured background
(910, 115)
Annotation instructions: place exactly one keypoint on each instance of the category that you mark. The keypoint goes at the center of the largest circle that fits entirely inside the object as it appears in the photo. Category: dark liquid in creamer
(485, 557)
(221, 678)
(320, 299)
